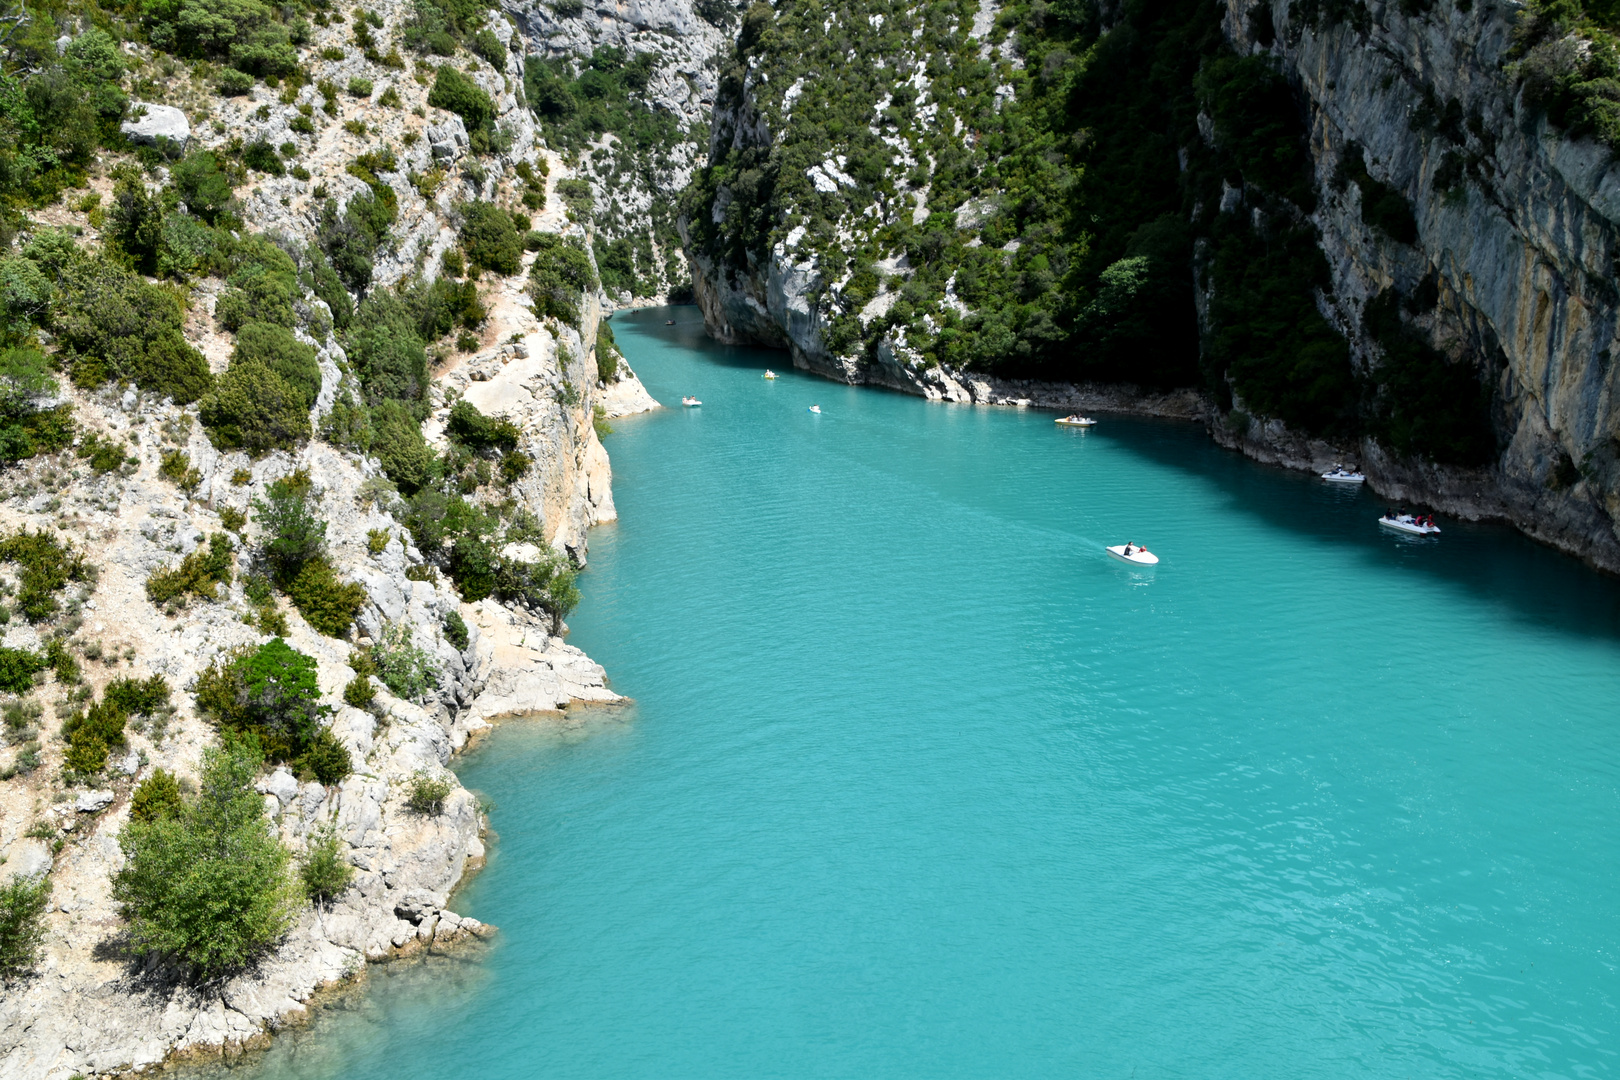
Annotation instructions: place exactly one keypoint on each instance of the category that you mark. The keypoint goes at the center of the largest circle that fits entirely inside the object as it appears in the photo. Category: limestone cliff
(1509, 274)
(88, 1009)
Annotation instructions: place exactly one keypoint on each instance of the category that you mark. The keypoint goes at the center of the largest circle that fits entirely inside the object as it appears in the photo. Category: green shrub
(560, 274)
(279, 350)
(490, 239)
(260, 156)
(359, 693)
(326, 874)
(427, 793)
(324, 760)
(455, 630)
(271, 694)
(18, 668)
(176, 466)
(199, 574)
(25, 387)
(488, 46)
(608, 356)
(91, 735)
(45, 566)
(208, 887)
(104, 455)
(478, 432)
(263, 285)
(290, 533)
(409, 672)
(397, 442)
(233, 83)
(456, 93)
(114, 326)
(62, 663)
(360, 88)
(138, 697)
(157, 798)
(203, 186)
(327, 604)
(387, 350)
(23, 901)
(253, 409)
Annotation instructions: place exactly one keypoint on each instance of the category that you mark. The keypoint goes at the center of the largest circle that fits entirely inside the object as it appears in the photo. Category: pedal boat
(1075, 420)
(1340, 475)
(1139, 555)
(690, 402)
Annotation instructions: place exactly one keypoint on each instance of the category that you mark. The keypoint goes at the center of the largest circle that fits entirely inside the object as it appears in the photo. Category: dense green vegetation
(1058, 226)
(204, 883)
(270, 695)
(294, 544)
(1568, 62)
(23, 901)
(577, 101)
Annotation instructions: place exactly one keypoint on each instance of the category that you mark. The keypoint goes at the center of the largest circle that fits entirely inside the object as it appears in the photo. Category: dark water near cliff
(920, 783)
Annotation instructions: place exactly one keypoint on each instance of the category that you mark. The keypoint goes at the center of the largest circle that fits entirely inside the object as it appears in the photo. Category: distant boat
(1075, 420)
(769, 374)
(1407, 523)
(1135, 554)
(816, 409)
(1341, 475)
(669, 322)
(689, 402)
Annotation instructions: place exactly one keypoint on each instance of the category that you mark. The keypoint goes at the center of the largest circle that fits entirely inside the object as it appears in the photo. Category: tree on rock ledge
(208, 885)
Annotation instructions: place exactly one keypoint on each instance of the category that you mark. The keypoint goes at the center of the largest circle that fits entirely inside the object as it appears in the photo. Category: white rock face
(79, 1013)
(160, 122)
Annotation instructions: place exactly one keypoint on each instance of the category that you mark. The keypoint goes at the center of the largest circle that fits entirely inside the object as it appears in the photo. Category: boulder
(158, 123)
(91, 802)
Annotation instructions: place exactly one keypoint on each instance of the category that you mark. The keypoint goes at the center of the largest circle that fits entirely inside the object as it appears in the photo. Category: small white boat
(1135, 554)
(1341, 475)
(769, 374)
(1406, 523)
(690, 402)
(1075, 420)
(816, 409)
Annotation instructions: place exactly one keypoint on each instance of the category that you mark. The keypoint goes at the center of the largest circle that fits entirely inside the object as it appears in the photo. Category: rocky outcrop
(153, 125)
(91, 1010)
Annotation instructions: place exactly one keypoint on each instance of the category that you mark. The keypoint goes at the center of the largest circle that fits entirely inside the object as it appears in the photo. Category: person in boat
(1127, 549)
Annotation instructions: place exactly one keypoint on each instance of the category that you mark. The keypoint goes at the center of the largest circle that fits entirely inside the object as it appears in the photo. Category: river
(919, 783)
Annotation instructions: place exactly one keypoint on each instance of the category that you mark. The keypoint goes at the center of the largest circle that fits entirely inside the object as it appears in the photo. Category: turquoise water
(919, 783)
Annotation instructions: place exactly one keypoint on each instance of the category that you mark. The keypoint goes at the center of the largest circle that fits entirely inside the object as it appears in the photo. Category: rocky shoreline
(1572, 522)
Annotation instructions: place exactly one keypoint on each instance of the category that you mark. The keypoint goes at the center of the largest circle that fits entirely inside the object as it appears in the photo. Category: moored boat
(1341, 475)
(1075, 420)
(1418, 525)
(1135, 554)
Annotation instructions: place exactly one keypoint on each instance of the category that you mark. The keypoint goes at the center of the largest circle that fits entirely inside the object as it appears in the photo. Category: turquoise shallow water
(918, 782)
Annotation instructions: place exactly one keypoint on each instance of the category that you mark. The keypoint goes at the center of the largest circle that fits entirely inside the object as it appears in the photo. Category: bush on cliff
(208, 887)
(456, 93)
(253, 409)
(490, 239)
(277, 349)
(23, 901)
(560, 274)
(270, 694)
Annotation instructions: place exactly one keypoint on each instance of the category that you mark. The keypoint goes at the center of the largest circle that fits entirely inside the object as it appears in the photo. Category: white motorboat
(690, 402)
(1341, 475)
(1075, 420)
(1135, 554)
(769, 374)
(1406, 523)
(816, 409)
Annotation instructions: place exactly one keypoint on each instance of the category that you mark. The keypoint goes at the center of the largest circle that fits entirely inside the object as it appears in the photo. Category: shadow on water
(1534, 583)
(1494, 562)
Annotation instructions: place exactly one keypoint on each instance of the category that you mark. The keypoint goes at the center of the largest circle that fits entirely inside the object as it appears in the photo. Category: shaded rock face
(1511, 272)
(1517, 241)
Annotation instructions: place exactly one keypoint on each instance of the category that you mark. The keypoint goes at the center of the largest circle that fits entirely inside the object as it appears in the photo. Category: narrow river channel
(919, 783)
